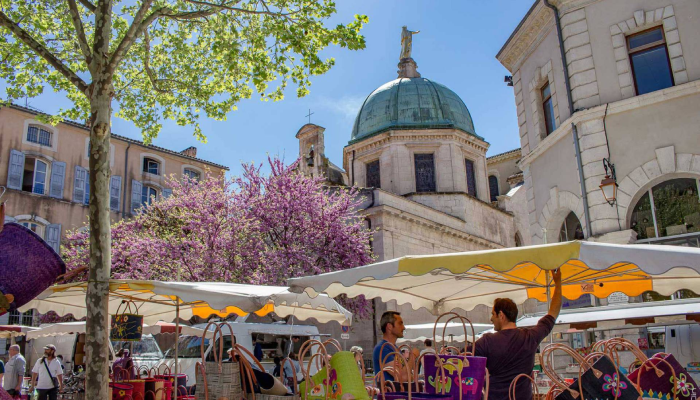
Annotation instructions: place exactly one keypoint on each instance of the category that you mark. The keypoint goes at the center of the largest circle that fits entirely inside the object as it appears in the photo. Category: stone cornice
(385, 138)
(649, 99)
(385, 209)
(529, 32)
(508, 155)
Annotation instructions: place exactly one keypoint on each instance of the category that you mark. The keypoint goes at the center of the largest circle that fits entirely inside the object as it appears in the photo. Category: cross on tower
(309, 115)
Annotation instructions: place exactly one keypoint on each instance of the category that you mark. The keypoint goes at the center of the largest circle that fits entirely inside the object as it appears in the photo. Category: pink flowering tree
(258, 229)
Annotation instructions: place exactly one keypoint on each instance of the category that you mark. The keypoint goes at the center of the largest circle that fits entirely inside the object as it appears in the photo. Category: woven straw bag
(217, 380)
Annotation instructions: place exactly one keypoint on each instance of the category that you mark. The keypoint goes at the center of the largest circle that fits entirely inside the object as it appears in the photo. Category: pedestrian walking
(47, 375)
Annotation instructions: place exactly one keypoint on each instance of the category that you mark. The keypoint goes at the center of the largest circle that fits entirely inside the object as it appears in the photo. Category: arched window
(668, 209)
(151, 166)
(192, 174)
(518, 240)
(571, 229)
(493, 187)
(34, 227)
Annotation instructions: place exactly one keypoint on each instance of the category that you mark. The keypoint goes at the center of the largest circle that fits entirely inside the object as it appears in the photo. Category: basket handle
(294, 373)
(514, 383)
(549, 371)
(214, 342)
(382, 364)
(444, 329)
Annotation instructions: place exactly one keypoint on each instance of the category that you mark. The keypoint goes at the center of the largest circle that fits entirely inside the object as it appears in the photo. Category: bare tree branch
(140, 22)
(43, 52)
(88, 5)
(80, 31)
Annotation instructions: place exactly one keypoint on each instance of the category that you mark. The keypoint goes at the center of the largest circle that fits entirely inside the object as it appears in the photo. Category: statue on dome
(406, 42)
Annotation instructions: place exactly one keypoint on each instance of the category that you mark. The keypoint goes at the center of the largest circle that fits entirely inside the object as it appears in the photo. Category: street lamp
(609, 184)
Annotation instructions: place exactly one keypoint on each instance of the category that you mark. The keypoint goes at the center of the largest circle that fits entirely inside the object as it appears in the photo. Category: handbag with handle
(598, 379)
(218, 380)
(461, 374)
(337, 376)
(127, 325)
(397, 386)
(660, 376)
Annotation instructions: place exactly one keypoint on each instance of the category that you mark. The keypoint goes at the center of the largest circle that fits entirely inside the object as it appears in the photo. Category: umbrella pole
(549, 303)
(177, 340)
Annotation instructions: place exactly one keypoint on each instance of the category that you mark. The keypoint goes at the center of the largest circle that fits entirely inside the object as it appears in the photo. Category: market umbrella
(10, 331)
(444, 282)
(162, 301)
(167, 301)
(65, 328)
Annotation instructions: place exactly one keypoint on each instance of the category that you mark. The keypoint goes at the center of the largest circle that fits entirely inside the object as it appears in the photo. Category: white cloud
(346, 106)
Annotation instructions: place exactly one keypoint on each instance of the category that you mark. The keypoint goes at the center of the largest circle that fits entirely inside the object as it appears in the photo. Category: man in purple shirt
(511, 350)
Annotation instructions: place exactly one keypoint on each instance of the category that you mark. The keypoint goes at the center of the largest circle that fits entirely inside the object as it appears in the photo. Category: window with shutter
(86, 201)
(58, 176)
(79, 184)
(425, 172)
(53, 237)
(135, 196)
(16, 170)
(115, 189)
(471, 177)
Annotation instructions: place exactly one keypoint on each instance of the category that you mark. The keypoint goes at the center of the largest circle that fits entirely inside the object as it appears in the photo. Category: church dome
(411, 103)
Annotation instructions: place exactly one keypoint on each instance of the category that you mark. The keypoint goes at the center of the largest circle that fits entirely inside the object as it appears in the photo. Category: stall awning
(632, 313)
(65, 328)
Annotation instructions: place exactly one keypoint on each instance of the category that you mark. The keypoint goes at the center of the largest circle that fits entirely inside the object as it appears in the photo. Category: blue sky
(456, 47)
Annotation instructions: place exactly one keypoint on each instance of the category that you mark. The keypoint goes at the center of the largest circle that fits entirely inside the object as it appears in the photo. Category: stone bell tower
(312, 154)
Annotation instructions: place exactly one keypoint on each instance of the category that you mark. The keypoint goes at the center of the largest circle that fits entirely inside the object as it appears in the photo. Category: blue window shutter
(167, 193)
(136, 187)
(115, 190)
(53, 236)
(16, 170)
(79, 184)
(87, 188)
(58, 177)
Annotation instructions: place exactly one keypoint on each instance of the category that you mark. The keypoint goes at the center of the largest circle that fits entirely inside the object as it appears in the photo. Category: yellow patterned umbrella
(444, 282)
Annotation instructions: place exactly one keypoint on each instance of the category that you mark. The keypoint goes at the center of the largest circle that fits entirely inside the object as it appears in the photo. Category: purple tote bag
(465, 373)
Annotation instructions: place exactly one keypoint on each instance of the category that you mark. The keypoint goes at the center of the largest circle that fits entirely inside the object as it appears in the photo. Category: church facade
(428, 185)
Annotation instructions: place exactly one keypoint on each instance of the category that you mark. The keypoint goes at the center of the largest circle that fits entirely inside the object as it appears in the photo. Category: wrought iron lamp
(609, 184)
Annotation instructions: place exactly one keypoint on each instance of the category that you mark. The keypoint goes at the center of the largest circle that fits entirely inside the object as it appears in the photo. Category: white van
(71, 347)
(275, 339)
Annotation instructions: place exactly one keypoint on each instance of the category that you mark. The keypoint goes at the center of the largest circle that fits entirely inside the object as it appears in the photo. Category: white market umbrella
(159, 301)
(445, 282)
(66, 328)
(11, 331)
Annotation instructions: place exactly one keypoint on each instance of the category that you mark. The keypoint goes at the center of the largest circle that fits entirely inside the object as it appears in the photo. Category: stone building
(45, 171)
(600, 84)
(415, 149)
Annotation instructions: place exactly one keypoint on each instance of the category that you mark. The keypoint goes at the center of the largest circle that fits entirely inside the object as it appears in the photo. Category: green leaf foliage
(193, 59)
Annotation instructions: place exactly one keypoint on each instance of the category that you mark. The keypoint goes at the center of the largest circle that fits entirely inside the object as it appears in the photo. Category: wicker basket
(217, 380)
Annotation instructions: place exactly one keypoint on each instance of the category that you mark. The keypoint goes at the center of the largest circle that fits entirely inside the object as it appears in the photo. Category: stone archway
(558, 207)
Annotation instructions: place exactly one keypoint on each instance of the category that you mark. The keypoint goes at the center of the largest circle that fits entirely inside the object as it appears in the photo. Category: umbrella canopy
(445, 282)
(157, 301)
(65, 328)
(10, 331)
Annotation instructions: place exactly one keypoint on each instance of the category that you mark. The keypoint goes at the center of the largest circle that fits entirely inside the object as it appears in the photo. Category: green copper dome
(411, 103)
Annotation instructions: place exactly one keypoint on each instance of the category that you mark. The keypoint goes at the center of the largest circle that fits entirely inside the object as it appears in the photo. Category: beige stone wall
(395, 150)
(70, 146)
(517, 205)
(502, 168)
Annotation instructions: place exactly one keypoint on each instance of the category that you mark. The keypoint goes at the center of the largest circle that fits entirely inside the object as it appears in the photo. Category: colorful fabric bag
(661, 376)
(335, 377)
(462, 375)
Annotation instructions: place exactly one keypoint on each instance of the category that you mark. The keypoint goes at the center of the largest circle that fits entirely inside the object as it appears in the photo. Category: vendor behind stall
(392, 328)
(511, 350)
